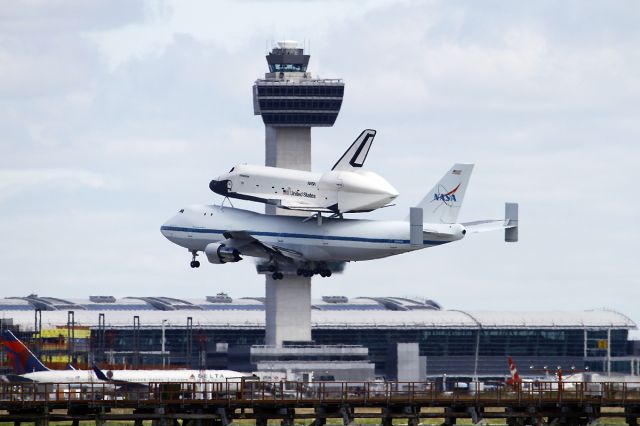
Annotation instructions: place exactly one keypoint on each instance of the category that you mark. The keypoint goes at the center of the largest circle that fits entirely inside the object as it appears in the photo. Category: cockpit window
(181, 210)
(232, 169)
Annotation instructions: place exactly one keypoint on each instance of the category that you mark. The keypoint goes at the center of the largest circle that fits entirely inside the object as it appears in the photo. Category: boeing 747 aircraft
(292, 245)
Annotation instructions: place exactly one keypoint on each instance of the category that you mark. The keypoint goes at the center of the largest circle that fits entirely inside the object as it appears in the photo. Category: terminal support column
(288, 301)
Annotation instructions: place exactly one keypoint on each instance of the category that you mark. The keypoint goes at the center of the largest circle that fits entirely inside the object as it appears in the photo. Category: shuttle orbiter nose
(219, 187)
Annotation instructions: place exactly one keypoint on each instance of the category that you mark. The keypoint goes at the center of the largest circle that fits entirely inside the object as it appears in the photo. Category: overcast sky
(115, 114)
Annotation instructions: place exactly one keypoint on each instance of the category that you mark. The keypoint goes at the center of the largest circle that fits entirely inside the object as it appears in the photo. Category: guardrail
(253, 393)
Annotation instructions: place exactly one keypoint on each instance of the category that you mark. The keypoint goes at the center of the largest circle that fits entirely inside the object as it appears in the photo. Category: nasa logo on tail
(445, 196)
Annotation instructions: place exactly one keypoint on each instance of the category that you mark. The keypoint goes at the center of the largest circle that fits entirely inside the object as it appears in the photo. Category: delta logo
(446, 197)
(17, 354)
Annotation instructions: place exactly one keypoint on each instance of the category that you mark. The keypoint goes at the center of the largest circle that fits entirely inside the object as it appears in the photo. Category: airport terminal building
(210, 332)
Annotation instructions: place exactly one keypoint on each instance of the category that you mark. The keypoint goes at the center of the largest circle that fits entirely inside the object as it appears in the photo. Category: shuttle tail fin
(24, 361)
(354, 157)
(442, 204)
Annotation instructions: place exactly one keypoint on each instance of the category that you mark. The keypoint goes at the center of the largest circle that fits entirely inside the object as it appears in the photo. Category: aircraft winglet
(99, 373)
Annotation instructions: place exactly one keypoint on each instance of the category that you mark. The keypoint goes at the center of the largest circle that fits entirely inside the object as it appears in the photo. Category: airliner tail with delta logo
(24, 361)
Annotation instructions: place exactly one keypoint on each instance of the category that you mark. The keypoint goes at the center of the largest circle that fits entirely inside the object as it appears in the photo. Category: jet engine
(221, 253)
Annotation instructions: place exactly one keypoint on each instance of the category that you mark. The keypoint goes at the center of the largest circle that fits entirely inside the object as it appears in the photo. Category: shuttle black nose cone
(219, 186)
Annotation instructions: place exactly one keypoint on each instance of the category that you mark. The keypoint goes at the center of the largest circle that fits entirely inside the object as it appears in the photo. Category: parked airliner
(293, 245)
(27, 367)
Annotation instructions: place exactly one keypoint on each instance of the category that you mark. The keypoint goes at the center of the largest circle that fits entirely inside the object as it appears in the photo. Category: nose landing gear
(194, 263)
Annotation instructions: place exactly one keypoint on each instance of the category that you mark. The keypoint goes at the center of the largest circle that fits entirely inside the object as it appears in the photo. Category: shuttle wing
(303, 205)
(247, 244)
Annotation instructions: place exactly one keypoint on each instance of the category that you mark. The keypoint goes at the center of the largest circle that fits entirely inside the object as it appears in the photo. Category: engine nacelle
(219, 253)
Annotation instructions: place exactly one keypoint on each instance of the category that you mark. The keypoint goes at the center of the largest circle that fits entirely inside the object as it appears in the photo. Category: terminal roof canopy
(328, 312)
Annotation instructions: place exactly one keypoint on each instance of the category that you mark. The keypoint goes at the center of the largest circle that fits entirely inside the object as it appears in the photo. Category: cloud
(156, 101)
(16, 181)
(67, 16)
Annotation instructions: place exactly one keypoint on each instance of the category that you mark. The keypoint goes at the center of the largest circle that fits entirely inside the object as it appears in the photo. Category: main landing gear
(308, 273)
(275, 274)
(306, 270)
(194, 263)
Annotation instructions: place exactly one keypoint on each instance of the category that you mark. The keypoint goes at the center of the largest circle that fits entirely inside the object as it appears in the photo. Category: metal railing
(250, 393)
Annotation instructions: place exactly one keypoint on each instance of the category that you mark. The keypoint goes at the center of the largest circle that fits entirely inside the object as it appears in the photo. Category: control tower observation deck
(289, 97)
(291, 102)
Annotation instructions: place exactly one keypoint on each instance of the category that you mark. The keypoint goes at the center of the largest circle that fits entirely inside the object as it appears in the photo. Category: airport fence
(256, 393)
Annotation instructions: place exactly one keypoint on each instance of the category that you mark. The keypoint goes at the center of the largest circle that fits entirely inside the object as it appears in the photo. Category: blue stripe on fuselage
(293, 235)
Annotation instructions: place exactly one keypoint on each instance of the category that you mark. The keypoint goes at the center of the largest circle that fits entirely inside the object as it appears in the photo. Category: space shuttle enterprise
(347, 188)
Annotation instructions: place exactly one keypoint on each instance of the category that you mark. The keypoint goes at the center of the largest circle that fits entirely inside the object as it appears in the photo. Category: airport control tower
(291, 102)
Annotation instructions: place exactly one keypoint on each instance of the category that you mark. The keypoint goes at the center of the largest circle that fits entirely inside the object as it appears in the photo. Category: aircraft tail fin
(24, 361)
(354, 157)
(515, 377)
(442, 204)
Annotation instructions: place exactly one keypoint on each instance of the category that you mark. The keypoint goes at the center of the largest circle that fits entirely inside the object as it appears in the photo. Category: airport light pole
(164, 321)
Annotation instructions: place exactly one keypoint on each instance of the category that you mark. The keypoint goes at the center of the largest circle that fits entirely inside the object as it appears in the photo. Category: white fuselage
(62, 376)
(135, 376)
(333, 191)
(334, 240)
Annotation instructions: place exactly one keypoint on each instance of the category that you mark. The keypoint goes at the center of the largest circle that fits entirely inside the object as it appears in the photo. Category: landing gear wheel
(277, 276)
(194, 263)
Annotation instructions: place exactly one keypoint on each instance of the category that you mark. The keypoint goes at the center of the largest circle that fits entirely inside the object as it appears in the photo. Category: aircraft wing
(247, 244)
(121, 384)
